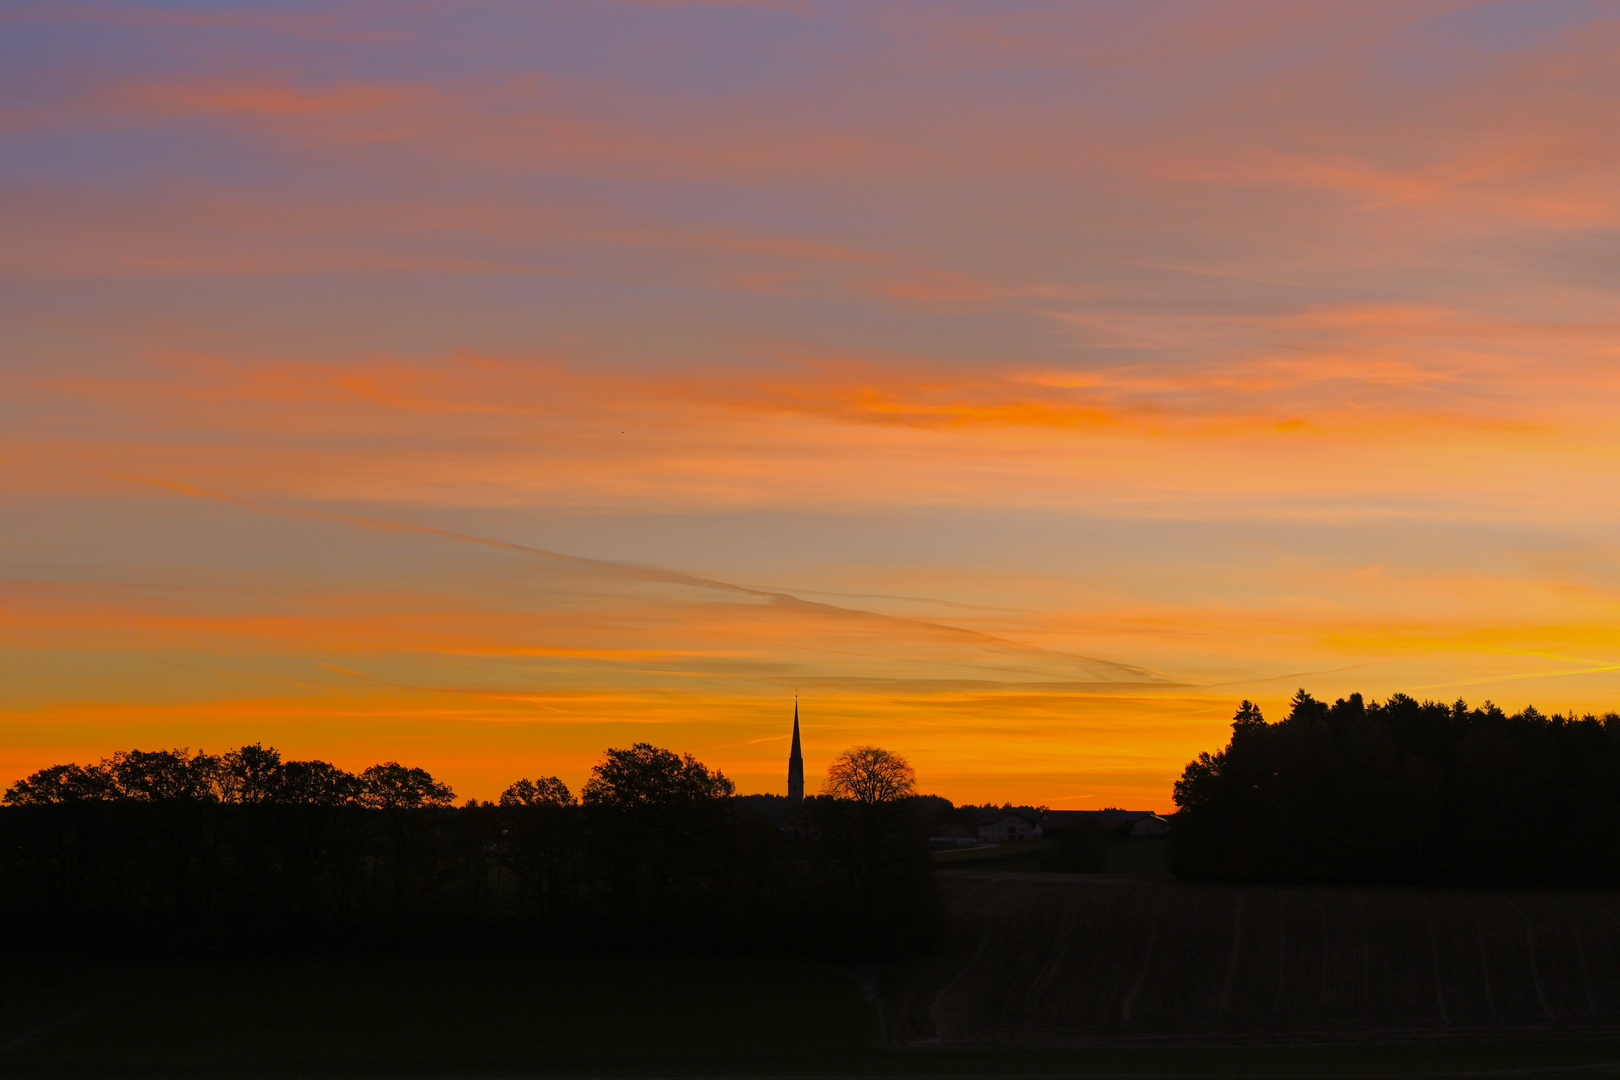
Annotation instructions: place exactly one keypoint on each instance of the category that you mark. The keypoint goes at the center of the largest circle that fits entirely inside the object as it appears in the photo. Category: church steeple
(795, 762)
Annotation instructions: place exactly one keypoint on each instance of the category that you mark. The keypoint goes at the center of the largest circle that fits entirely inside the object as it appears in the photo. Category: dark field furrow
(1053, 957)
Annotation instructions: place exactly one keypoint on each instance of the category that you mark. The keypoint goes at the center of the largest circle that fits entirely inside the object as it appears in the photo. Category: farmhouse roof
(1071, 818)
(1001, 815)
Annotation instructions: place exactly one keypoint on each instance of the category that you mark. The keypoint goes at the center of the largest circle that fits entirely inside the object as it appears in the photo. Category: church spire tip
(795, 760)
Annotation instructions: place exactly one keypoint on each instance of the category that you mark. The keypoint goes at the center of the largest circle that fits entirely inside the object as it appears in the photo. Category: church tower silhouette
(795, 762)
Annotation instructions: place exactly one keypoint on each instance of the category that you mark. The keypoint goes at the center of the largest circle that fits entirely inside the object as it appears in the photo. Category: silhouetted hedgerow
(174, 851)
(1404, 791)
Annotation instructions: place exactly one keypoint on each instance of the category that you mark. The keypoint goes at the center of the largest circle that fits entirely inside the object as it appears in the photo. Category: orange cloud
(842, 431)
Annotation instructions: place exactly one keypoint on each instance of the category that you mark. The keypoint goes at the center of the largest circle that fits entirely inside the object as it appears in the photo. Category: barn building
(1008, 825)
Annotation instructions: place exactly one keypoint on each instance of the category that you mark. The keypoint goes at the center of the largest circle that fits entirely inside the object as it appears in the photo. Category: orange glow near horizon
(1022, 387)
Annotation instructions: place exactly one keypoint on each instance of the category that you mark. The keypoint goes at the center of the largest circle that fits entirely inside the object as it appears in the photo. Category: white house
(1007, 825)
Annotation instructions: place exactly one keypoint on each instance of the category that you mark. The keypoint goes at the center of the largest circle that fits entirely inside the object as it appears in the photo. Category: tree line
(172, 850)
(1404, 791)
(247, 775)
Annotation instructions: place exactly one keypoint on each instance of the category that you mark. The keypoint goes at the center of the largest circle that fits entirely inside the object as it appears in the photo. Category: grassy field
(1024, 855)
(1129, 857)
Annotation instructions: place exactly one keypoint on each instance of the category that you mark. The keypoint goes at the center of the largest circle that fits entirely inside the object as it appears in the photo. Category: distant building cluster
(1008, 826)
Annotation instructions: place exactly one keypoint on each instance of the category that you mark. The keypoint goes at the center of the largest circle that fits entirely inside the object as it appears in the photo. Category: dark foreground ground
(664, 1017)
(1126, 974)
(1044, 959)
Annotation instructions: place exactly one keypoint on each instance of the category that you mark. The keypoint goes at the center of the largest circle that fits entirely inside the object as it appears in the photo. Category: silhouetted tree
(660, 826)
(645, 775)
(543, 840)
(873, 836)
(60, 784)
(250, 774)
(405, 795)
(864, 806)
(1404, 791)
(870, 776)
(171, 850)
(317, 783)
(392, 786)
(546, 791)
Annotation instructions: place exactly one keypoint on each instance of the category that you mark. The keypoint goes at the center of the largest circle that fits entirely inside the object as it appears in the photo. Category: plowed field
(1055, 958)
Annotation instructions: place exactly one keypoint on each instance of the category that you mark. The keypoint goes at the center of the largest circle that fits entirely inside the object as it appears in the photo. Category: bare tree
(871, 776)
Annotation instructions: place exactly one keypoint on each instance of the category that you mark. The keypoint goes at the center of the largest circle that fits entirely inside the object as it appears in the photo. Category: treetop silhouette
(172, 850)
(870, 776)
(1404, 791)
(247, 775)
(645, 775)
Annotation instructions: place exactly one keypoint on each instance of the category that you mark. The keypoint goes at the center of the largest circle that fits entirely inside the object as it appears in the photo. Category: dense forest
(173, 851)
(1404, 791)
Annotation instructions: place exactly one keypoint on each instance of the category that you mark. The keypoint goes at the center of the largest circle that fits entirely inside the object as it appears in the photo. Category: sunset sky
(482, 385)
